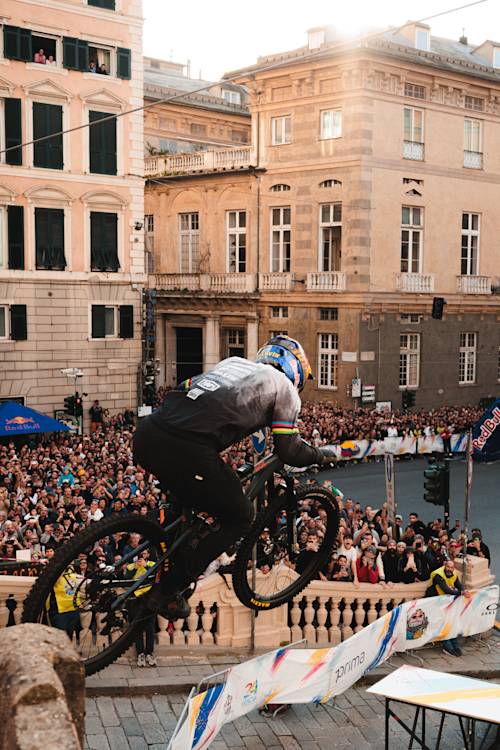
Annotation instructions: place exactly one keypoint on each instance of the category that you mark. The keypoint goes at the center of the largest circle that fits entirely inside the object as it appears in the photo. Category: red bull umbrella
(16, 419)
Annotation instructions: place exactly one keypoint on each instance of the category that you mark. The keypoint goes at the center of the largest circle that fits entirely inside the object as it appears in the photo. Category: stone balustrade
(474, 284)
(275, 282)
(216, 283)
(223, 159)
(326, 281)
(324, 613)
(420, 283)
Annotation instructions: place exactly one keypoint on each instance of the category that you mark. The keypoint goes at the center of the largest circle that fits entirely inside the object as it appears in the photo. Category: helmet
(287, 355)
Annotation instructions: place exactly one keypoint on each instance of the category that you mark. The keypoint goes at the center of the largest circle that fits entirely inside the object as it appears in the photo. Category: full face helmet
(287, 355)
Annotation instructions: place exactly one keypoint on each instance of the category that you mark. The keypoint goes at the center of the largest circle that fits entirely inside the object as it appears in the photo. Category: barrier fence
(318, 675)
(398, 446)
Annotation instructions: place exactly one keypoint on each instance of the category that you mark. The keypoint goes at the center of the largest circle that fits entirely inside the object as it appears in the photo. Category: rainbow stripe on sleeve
(284, 428)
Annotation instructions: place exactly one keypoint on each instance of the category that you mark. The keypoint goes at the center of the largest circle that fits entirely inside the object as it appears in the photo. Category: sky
(224, 35)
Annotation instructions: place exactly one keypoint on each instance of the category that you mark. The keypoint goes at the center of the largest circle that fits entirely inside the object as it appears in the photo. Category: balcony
(420, 283)
(275, 282)
(473, 159)
(215, 283)
(413, 150)
(225, 159)
(326, 281)
(474, 284)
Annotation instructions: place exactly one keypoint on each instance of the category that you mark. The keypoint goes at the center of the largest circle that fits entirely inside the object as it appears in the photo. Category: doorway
(189, 352)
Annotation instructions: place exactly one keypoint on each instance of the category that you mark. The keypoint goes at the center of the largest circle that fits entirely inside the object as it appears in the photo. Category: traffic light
(69, 405)
(408, 399)
(78, 401)
(437, 484)
(438, 304)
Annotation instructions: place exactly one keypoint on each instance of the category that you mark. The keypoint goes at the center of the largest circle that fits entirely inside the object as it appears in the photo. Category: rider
(181, 441)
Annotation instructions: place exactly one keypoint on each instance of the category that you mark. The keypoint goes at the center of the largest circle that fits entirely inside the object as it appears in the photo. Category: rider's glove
(328, 455)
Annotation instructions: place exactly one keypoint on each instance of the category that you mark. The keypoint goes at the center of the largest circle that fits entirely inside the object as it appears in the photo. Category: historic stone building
(371, 187)
(71, 204)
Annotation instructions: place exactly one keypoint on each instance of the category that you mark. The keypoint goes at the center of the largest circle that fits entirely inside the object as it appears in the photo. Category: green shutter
(17, 43)
(126, 321)
(49, 239)
(13, 131)
(75, 53)
(18, 323)
(123, 62)
(47, 119)
(108, 4)
(102, 141)
(15, 223)
(104, 241)
(98, 321)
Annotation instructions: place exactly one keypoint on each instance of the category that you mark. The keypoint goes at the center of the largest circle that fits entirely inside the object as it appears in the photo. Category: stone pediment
(47, 194)
(104, 199)
(6, 87)
(103, 98)
(47, 88)
(7, 195)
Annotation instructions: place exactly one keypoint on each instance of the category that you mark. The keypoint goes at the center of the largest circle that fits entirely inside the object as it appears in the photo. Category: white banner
(316, 675)
(398, 446)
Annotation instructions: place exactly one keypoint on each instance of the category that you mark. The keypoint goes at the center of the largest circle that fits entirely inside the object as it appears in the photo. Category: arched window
(280, 188)
(330, 183)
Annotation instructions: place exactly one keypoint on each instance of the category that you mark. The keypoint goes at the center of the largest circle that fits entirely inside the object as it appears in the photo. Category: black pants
(145, 639)
(198, 477)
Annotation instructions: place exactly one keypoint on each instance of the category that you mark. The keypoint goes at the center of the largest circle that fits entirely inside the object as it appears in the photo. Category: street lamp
(75, 372)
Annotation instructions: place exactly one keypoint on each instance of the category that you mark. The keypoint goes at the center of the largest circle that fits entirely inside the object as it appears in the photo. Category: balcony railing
(326, 281)
(218, 283)
(275, 282)
(474, 284)
(421, 283)
(200, 161)
(473, 159)
(413, 150)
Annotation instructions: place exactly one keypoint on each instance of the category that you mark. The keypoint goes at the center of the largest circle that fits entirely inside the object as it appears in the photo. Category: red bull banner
(317, 675)
(16, 419)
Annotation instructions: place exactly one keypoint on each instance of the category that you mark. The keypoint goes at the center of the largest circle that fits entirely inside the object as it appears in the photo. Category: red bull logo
(20, 420)
(21, 423)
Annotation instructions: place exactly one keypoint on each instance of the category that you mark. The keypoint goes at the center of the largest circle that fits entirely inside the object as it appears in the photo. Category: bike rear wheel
(282, 583)
(102, 634)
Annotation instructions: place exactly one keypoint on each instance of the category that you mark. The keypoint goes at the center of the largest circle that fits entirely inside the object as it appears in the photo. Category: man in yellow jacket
(145, 640)
(445, 580)
(62, 604)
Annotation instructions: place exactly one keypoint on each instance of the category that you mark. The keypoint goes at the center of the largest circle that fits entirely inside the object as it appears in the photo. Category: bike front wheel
(82, 597)
(283, 568)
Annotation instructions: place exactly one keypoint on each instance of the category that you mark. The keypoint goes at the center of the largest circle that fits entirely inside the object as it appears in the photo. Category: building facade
(71, 203)
(369, 190)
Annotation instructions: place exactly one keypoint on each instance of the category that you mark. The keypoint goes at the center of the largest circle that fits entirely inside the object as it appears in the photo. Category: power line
(221, 81)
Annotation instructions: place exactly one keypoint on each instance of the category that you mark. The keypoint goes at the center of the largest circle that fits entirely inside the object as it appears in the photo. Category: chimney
(463, 38)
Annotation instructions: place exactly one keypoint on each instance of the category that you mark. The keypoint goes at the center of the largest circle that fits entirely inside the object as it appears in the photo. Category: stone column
(211, 349)
(252, 338)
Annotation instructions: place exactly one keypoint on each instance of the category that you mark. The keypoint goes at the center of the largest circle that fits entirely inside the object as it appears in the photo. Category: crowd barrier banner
(398, 446)
(317, 675)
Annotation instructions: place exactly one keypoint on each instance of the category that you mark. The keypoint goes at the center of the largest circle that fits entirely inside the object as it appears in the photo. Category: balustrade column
(347, 616)
(335, 634)
(295, 630)
(212, 342)
(322, 614)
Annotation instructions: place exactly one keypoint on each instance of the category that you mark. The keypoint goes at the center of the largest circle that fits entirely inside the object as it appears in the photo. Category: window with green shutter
(13, 131)
(102, 142)
(17, 43)
(123, 63)
(49, 239)
(47, 119)
(126, 321)
(98, 322)
(15, 232)
(18, 323)
(104, 241)
(75, 53)
(108, 4)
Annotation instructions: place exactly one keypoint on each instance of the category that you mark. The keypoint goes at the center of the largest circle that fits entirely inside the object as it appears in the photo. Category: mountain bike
(108, 604)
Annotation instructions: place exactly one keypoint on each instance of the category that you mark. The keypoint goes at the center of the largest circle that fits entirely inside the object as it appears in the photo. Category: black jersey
(234, 400)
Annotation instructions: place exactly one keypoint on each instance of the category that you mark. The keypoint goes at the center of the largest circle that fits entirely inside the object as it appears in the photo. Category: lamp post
(75, 372)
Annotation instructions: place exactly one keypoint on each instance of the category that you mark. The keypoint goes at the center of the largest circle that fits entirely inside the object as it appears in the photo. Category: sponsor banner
(15, 568)
(486, 434)
(291, 675)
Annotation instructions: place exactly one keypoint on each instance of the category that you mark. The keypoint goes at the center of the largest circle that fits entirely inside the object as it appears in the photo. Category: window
(47, 119)
(328, 313)
(422, 39)
(280, 239)
(236, 241)
(12, 135)
(470, 245)
(112, 321)
(279, 188)
(233, 97)
(413, 146)
(496, 57)
(414, 90)
(473, 144)
(330, 183)
(411, 239)
(234, 342)
(467, 358)
(15, 234)
(13, 322)
(104, 241)
(123, 63)
(279, 312)
(330, 236)
(149, 223)
(75, 53)
(474, 102)
(409, 360)
(4, 317)
(44, 49)
(189, 238)
(49, 239)
(281, 130)
(330, 123)
(99, 60)
(108, 4)
(327, 360)
(102, 143)
(240, 136)
(410, 318)
(278, 333)
(198, 129)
